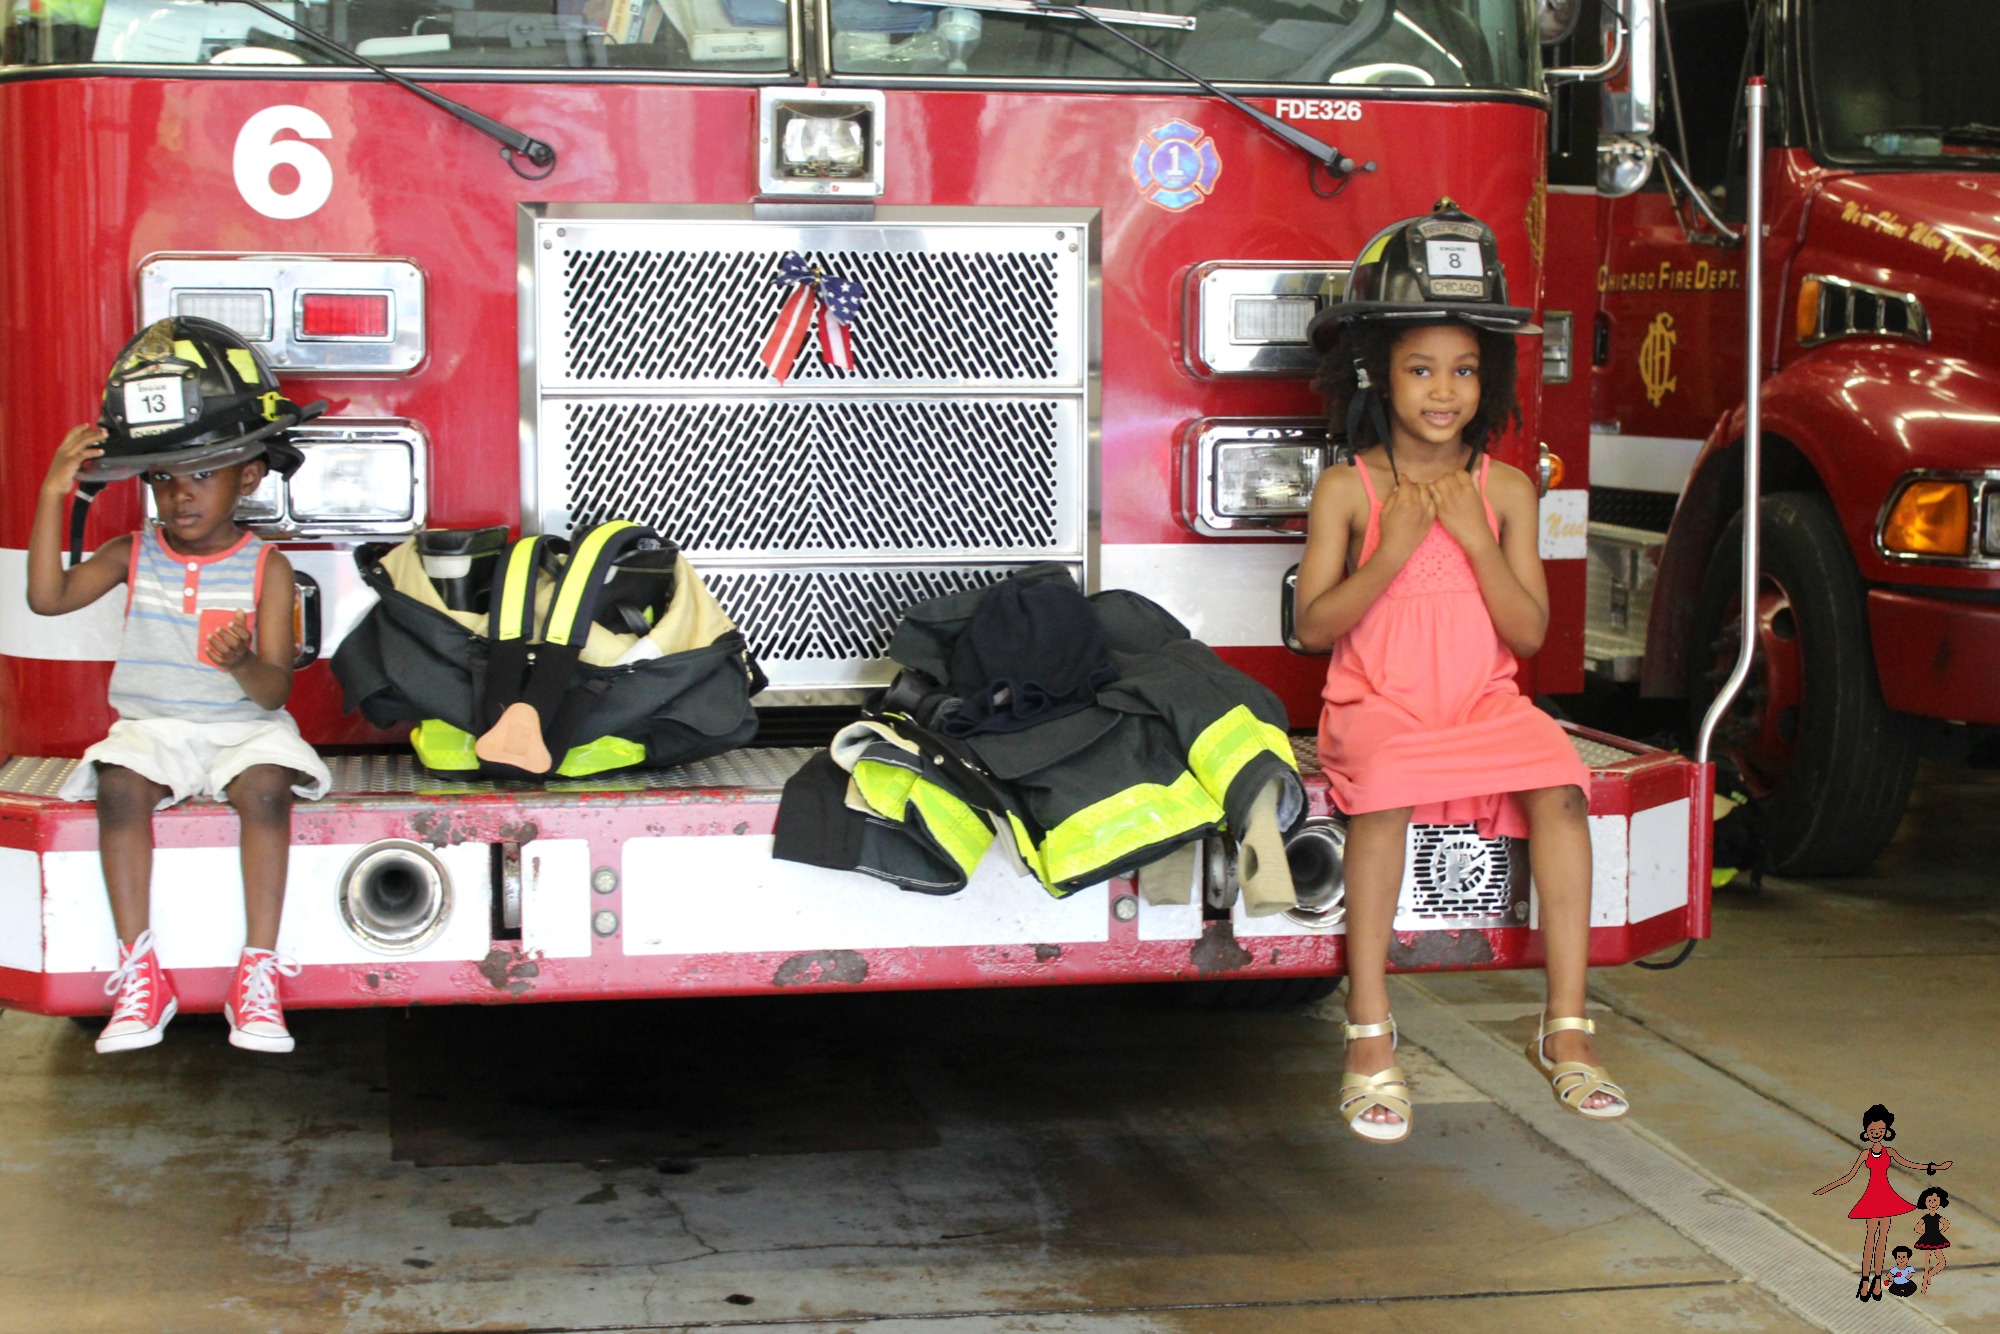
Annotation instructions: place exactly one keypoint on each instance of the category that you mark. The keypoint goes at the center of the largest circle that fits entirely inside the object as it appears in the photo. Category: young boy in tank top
(204, 667)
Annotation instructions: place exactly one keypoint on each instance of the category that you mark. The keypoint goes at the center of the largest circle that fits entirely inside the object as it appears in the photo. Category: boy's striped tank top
(160, 673)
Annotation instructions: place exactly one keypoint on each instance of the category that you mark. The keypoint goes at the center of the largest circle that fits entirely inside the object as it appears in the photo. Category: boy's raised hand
(77, 448)
(1406, 518)
(1460, 509)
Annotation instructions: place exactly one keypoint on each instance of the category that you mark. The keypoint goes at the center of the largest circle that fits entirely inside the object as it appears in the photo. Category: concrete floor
(1087, 1161)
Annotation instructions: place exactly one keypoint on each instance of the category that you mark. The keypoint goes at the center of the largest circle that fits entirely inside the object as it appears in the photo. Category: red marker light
(344, 315)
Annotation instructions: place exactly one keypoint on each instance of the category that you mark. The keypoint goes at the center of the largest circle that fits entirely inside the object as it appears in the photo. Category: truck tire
(1831, 763)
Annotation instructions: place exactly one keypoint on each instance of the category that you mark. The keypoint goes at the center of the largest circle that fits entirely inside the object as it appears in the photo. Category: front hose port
(395, 896)
(1317, 854)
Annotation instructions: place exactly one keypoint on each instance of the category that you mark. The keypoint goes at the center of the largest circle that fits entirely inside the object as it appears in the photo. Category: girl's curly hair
(1374, 341)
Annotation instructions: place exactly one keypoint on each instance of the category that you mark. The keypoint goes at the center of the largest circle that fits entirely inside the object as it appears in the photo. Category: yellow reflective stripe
(581, 561)
(890, 790)
(1108, 832)
(885, 787)
(607, 752)
(246, 367)
(1375, 248)
(1024, 843)
(514, 591)
(441, 746)
(955, 825)
(188, 352)
(1232, 741)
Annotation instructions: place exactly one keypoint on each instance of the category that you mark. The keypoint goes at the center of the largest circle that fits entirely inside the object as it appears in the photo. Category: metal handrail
(1753, 414)
(1595, 73)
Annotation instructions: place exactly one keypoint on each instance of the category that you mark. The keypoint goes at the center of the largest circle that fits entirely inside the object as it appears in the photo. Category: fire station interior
(490, 1124)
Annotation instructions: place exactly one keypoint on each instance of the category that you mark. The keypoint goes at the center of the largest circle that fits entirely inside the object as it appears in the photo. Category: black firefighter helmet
(1443, 265)
(188, 394)
(185, 395)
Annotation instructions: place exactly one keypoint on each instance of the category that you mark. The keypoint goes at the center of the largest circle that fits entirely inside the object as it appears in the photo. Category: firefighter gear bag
(542, 685)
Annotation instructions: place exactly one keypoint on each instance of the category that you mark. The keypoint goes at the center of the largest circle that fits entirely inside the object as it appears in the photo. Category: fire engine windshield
(706, 35)
(1918, 88)
(1349, 43)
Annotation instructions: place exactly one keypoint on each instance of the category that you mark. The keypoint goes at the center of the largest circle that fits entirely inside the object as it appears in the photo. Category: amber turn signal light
(1929, 518)
(1808, 310)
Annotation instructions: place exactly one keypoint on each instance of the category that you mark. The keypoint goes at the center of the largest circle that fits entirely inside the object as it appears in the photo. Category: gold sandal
(1575, 1082)
(1388, 1089)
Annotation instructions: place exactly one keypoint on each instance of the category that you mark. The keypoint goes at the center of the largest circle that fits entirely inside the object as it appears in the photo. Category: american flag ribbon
(834, 299)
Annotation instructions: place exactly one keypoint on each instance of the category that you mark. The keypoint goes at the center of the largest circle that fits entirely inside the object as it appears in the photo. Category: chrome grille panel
(820, 628)
(1454, 876)
(820, 509)
(742, 477)
(658, 316)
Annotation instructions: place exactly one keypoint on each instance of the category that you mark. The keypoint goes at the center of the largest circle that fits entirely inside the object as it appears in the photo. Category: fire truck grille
(838, 615)
(738, 477)
(819, 507)
(1456, 875)
(666, 316)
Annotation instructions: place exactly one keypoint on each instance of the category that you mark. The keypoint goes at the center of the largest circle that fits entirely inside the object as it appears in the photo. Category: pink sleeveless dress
(1421, 706)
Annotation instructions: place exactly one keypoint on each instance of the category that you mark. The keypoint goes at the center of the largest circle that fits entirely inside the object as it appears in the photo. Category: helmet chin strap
(1367, 405)
(79, 510)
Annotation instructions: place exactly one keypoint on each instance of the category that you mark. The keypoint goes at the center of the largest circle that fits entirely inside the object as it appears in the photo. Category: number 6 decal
(259, 151)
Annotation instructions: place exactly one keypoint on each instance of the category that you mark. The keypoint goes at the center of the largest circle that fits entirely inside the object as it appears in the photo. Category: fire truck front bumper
(1937, 657)
(405, 890)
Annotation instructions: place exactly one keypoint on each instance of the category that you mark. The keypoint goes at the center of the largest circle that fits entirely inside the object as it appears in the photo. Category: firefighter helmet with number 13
(190, 394)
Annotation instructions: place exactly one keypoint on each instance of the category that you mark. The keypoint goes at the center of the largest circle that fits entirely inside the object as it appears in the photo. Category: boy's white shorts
(195, 759)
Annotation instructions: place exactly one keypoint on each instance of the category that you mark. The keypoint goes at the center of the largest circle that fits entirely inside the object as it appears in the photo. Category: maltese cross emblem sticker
(1176, 165)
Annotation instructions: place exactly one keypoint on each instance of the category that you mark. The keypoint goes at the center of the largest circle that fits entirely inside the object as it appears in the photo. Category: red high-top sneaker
(256, 1016)
(145, 998)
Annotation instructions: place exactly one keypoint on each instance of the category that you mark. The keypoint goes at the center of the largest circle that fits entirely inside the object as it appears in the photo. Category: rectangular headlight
(1271, 319)
(1265, 481)
(820, 141)
(370, 481)
(247, 310)
(1990, 543)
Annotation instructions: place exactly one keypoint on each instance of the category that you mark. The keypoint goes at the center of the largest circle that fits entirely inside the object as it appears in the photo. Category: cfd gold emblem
(1656, 359)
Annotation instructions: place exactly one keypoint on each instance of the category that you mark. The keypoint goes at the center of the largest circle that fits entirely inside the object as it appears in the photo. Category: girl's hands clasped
(1406, 518)
(1455, 497)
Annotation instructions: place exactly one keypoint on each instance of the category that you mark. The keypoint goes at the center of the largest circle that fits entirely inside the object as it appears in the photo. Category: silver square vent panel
(957, 450)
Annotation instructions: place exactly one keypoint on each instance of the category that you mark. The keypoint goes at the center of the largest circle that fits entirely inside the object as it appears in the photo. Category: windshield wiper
(1326, 155)
(514, 145)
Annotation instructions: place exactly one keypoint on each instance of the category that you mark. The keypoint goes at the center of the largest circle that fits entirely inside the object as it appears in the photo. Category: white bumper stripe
(726, 895)
(93, 634)
(20, 910)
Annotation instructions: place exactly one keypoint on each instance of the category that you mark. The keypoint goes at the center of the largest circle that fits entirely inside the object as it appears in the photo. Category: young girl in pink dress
(1421, 574)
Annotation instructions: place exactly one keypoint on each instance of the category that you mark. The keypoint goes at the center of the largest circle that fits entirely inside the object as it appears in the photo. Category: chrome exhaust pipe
(395, 896)
(1317, 853)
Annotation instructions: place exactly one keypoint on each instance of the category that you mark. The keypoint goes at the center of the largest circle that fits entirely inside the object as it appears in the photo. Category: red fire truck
(1087, 280)
(1878, 611)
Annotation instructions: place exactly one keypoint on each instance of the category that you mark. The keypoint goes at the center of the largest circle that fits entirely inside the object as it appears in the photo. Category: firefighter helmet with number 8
(189, 394)
(1443, 265)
